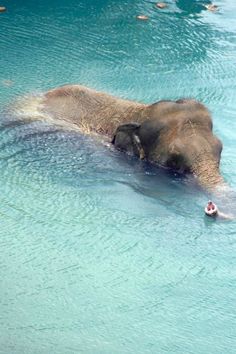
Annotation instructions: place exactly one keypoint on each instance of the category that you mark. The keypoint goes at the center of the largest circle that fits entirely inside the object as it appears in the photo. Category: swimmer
(161, 5)
(212, 210)
(142, 17)
(2, 9)
(211, 7)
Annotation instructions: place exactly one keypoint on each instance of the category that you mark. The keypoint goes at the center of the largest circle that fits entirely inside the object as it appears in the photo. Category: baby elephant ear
(127, 139)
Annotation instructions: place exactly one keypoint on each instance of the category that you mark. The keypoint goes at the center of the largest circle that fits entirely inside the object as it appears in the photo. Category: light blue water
(100, 253)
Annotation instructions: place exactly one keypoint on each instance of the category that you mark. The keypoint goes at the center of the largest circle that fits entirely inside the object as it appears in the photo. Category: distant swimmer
(2, 9)
(211, 7)
(142, 17)
(212, 210)
(161, 5)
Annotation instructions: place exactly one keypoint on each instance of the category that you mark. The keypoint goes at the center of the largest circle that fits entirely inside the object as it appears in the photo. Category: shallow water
(101, 253)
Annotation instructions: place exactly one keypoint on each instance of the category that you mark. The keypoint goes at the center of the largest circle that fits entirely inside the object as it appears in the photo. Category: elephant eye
(176, 162)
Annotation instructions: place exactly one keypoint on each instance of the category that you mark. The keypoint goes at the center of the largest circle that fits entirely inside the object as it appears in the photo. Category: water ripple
(101, 252)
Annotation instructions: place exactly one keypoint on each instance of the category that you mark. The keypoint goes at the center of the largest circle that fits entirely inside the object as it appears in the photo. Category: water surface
(101, 253)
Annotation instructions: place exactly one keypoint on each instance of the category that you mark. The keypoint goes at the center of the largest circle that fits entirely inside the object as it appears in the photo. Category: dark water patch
(80, 161)
(8, 124)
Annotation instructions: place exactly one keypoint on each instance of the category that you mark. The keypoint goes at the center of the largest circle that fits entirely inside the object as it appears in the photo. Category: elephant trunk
(210, 179)
(208, 175)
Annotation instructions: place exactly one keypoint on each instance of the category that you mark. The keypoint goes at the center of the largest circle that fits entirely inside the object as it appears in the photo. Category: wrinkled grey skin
(176, 134)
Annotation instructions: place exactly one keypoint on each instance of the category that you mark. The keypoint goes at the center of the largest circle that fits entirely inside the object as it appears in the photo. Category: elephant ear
(127, 139)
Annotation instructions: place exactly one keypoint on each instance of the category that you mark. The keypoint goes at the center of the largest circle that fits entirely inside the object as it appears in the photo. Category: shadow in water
(192, 6)
(80, 161)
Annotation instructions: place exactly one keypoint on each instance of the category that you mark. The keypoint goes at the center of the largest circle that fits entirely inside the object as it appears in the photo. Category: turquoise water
(101, 253)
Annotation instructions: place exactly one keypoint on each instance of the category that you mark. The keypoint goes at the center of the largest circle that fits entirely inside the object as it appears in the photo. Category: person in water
(212, 210)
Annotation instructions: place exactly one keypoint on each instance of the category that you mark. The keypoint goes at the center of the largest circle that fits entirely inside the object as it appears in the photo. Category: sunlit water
(101, 253)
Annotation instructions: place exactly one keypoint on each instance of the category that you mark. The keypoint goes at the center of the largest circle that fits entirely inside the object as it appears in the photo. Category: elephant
(172, 134)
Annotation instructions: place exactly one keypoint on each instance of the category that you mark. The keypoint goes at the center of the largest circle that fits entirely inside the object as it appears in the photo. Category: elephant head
(176, 135)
